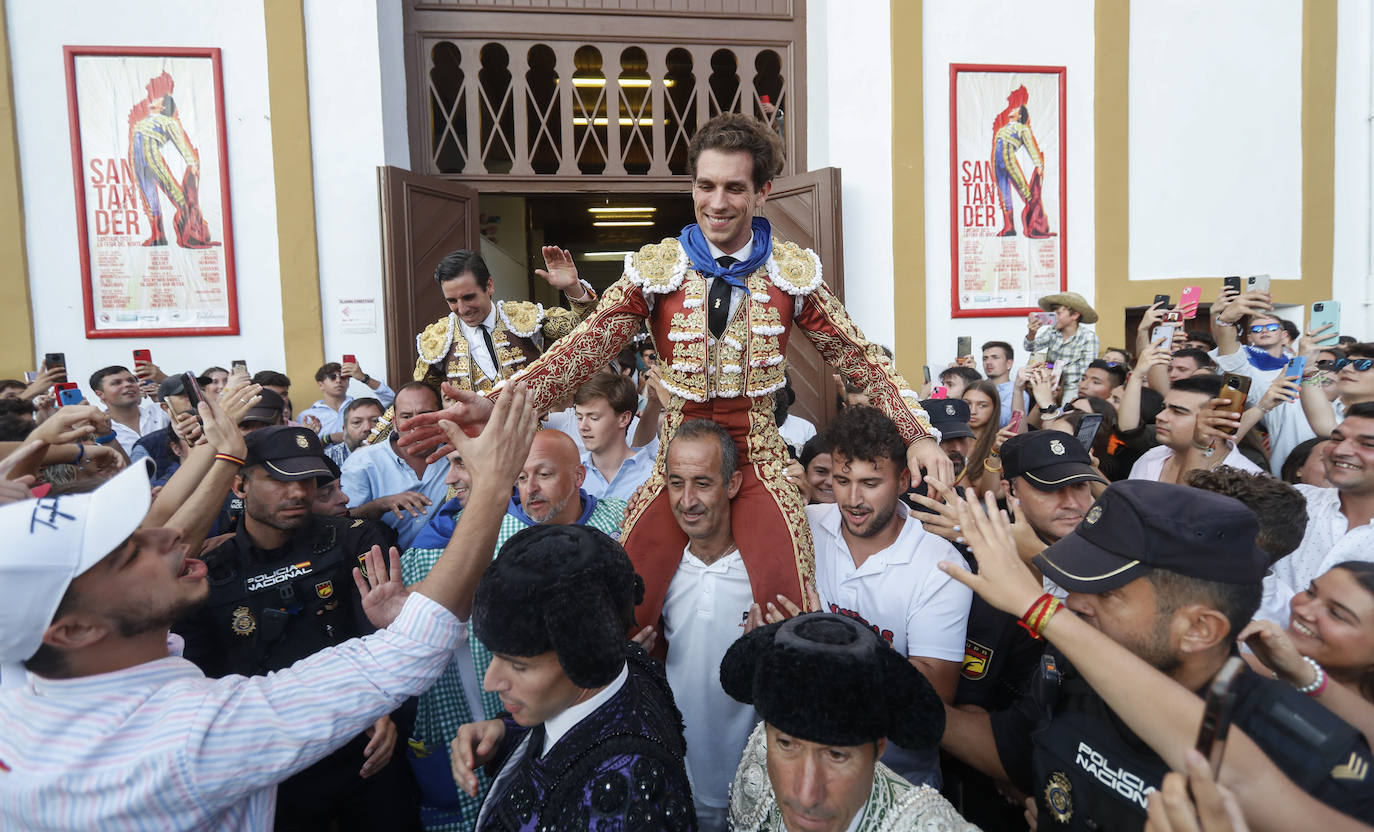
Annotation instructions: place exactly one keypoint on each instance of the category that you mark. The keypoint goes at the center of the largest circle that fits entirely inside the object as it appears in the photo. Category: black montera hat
(949, 417)
(268, 410)
(569, 589)
(1048, 459)
(289, 453)
(828, 679)
(1139, 525)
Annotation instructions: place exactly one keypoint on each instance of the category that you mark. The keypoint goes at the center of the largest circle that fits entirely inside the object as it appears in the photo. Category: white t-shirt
(1151, 463)
(901, 594)
(796, 431)
(703, 614)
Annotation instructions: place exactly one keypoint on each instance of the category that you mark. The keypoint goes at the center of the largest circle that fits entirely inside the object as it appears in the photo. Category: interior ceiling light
(607, 209)
(624, 122)
(620, 223)
(641, 83)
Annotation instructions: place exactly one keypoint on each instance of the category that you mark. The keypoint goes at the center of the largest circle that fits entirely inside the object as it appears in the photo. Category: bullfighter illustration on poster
(1007, 187)
(152, 191)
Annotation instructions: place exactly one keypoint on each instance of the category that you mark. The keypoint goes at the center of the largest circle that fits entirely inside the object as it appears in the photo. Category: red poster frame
(954, 69)
(69, 56)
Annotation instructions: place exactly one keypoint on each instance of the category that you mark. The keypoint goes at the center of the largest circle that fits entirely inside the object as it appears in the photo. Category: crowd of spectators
(1205, 493)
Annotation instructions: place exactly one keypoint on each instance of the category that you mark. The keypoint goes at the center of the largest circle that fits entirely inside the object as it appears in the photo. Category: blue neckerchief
(699, 253)
(518, 511)
(436, 533)
(1261, 360)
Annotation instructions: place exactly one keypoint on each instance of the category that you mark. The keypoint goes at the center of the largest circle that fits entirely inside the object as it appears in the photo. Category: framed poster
(150, 167)
(1007, 182)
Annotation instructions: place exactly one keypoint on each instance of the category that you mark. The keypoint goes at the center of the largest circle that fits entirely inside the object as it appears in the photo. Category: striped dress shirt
(159, 746)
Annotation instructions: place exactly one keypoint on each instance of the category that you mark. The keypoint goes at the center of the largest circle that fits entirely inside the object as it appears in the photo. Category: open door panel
(805, 209)
(423, 219)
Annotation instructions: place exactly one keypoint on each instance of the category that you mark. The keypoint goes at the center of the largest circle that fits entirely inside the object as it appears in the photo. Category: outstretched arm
(562, 368)
(1159, 710)
(840, 342)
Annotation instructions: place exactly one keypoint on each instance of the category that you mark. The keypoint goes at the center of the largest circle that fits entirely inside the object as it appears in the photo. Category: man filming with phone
(1193, 433)
(1135, 572)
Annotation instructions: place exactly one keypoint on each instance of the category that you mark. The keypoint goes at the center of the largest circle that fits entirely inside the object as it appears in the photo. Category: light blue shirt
(374, 471)
(331, 420)
(1004, 391)
(633, 472)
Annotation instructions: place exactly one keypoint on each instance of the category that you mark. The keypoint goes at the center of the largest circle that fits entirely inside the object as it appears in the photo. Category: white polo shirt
(703, 614)
(898, 592)
(903, 596)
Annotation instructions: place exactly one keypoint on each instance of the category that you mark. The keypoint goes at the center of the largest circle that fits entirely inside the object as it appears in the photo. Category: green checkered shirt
(444, 707)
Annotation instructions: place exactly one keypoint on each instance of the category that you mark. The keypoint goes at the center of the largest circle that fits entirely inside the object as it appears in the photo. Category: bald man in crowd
(549, 492)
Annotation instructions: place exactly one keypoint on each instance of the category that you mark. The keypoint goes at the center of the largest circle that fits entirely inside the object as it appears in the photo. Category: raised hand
(221, 430)
(1194, 802)
(240, 396)
(381, 589)
(499, 453)
(72, 424)
(422, 434)
(1003, 580)
(1284, 388)
(560, 271)
(1276, 651)
(926, 454)
(1214, 422)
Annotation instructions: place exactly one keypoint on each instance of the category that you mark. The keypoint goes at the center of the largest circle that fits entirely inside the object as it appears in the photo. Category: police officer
(282, 589)
(1171, 573)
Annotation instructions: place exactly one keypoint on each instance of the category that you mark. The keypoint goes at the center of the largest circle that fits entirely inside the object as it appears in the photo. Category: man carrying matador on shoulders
(720, 302)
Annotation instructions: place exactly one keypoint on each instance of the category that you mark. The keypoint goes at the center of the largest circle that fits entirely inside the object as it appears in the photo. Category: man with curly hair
(877, 565)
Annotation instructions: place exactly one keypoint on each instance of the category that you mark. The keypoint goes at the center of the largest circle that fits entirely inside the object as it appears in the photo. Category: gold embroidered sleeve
(838, 339)
(587, 347)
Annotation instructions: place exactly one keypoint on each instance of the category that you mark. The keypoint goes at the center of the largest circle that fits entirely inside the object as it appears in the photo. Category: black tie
(491, 348)
(718, 311)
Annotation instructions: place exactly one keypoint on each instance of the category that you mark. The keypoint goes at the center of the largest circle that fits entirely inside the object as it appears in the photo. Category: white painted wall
(849, 126)
(1216, 138)
(996, 32)
(37, 33)
(1353, 244)
(347, 144)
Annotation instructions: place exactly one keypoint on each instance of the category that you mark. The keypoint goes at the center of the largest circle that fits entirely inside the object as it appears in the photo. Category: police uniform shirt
(1087, 770)
(270, 608)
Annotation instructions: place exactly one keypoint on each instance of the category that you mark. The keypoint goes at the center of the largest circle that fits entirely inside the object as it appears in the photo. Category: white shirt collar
(741, 255)
(556, 726)
(489, 322)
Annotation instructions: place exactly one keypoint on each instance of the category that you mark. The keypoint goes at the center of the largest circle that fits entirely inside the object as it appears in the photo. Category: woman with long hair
(984, 470)
(1328, 647)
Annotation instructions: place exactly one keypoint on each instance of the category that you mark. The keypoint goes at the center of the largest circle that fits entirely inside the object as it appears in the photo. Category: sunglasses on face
(332, 377)
(1266, 327)
(1360, 364)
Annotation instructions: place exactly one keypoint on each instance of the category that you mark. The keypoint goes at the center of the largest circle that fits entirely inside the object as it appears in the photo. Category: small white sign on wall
(357, 316)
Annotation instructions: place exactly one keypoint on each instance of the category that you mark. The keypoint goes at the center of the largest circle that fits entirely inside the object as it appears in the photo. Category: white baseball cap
(51, 541)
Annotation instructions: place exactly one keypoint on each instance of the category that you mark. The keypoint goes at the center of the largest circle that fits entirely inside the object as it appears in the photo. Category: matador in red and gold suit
(721, 364)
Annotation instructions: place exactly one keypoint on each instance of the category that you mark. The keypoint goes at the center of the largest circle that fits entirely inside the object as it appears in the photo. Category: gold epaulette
(522, 317)
(793, 269)
(434, 341)
(657, 268)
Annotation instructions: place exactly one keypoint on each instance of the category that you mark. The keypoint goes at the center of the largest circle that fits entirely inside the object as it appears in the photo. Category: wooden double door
(426, 217)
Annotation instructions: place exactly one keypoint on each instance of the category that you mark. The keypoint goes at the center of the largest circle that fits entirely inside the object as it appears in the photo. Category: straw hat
(1073, 300)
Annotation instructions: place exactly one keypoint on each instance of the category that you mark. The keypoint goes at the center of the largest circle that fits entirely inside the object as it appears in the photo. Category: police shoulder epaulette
(521, 317)
(357, 523)
(793, 269)
(434, 341)
(657, 268)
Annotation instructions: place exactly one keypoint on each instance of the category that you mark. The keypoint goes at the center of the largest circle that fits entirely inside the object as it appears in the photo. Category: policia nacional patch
(1059, 796)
